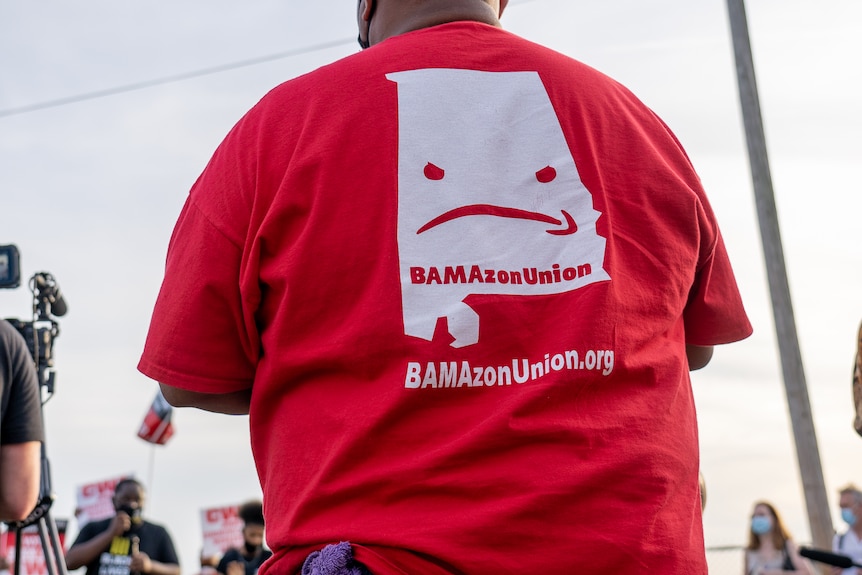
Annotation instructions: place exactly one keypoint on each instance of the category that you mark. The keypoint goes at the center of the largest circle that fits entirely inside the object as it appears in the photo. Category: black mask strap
(365, 44)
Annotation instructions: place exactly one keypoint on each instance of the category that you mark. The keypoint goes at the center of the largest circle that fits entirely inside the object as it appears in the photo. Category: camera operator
(21, 431)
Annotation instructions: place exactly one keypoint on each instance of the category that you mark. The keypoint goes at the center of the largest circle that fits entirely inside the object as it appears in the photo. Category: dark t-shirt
(154, 540)
(20, 416)
(251, 564)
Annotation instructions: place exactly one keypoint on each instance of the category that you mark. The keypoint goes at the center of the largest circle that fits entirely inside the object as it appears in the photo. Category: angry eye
(433, 172)
(546, 174)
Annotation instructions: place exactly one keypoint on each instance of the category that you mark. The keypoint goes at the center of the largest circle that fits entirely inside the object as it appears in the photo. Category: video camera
(40, 332)
(10, 271)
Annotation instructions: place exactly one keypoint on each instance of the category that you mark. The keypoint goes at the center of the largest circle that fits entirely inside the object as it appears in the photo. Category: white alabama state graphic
(489, 197)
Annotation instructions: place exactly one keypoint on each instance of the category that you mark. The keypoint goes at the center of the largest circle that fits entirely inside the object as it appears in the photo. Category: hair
(128, 481)
(852, 490)
(780, 534)
(251, 512)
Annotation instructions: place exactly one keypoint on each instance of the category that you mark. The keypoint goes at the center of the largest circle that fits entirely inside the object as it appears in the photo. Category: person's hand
(836, 570)
(209, 560)
(141, 563)
(120, 523)
(235, 568)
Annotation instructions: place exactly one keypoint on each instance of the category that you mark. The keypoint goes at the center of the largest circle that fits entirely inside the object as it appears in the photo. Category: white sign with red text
(95, 500)
(221, 528)
(33, 555)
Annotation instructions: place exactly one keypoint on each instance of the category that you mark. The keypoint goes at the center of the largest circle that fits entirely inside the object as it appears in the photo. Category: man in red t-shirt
(458, 280)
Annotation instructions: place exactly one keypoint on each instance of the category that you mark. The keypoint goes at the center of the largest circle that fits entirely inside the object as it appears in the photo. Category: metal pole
(807, 452)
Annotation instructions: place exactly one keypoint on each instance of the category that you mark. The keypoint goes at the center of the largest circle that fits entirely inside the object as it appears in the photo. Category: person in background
(247, 561)
(849, 543)
(21, 433)
(770, 550)
(125, 543)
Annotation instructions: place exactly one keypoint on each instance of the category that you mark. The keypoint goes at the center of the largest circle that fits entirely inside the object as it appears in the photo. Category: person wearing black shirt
(20, 427)
(247, 561)
(124, 544)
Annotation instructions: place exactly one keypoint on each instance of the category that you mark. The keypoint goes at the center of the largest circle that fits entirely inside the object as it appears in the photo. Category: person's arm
(209, 560)
(236, 568)
(236, 403)
(19, 479)
(230, 556)
(698, 356)
(85, 552)
(801, 563)
(162, 548)
(201, 338)
(22, 433)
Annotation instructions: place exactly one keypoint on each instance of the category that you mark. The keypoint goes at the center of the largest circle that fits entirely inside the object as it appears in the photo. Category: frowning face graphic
(489, 200)
(545, 175)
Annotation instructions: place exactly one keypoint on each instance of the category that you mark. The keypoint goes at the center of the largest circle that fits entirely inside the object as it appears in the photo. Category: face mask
(251, 549)
(761, 524)
(133, 512)
(848, 516)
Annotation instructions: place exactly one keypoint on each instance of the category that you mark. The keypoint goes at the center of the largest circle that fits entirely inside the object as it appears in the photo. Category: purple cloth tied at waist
(336, 559)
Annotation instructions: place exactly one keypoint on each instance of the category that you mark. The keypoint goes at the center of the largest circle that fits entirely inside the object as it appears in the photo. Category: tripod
(48, 535)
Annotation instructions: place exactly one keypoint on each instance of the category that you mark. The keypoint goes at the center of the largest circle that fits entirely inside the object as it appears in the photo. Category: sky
(90, 190)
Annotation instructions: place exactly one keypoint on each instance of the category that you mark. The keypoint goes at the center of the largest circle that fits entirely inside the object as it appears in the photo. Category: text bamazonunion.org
(453, 374)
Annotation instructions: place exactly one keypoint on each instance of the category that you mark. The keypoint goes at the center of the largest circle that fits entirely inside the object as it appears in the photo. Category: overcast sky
(89, 191)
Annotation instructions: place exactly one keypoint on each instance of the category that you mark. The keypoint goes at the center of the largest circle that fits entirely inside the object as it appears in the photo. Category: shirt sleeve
(714, 313)
(22, 413)
(200, 338)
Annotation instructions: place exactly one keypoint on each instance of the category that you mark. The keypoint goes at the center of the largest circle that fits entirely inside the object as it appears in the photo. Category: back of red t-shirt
(460, 271)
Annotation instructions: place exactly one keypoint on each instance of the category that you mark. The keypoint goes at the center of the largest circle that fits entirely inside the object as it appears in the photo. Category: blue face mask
(761, 524)
(848, 516)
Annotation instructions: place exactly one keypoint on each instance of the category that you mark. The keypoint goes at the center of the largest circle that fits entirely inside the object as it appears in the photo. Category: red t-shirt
(459, 271)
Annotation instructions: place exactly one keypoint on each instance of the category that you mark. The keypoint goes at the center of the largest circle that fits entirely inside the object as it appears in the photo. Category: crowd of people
(129, 544)
(771, 549)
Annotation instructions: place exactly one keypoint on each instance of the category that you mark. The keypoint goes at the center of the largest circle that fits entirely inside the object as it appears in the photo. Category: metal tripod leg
(52, 549)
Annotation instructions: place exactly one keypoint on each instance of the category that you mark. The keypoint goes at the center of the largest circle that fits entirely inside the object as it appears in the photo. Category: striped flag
(156, 427)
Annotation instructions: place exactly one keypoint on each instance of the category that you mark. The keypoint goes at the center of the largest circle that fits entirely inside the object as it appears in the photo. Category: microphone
(48, 287)
(833, 559)
(136, 549)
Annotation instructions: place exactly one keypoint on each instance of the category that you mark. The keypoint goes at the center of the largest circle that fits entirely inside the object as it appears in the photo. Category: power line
(170, 79)
(184, 76)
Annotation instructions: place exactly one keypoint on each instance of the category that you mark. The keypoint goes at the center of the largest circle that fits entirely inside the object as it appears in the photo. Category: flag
(157, 427)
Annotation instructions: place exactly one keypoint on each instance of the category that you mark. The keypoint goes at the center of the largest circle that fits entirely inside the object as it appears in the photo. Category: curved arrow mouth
(499, 211)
